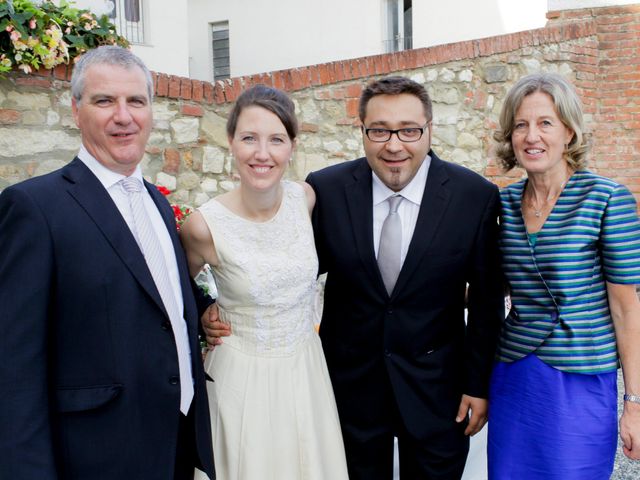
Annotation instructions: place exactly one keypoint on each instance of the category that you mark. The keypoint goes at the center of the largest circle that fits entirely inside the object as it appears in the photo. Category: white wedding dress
(273, 413)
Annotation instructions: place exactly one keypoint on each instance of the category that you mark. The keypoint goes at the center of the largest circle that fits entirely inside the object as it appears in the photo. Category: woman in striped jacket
(570, 242)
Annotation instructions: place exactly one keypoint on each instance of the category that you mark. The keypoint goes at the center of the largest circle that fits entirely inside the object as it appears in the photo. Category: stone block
(185, 130)
(209, 185)
(166, 180)
(22, 141)
(213, 160)
(49, 166)
(227, 185)
(29, 101)
(188, 181)
(200, 199)
(468, 141)
(214, 127)
(496, 73)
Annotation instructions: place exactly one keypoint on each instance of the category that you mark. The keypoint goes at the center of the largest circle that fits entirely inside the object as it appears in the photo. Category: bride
(273, 412)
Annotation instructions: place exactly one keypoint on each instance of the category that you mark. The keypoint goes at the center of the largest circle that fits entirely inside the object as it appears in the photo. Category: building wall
(596, 48)
(166, 46)
(267, 36)
(435, 23)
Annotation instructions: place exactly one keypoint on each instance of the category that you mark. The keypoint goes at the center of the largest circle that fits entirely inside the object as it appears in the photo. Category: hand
(479, 409)
(630, 430)
(213, 328)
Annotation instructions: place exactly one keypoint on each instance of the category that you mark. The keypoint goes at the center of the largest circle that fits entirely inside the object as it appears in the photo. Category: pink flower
(32, 23)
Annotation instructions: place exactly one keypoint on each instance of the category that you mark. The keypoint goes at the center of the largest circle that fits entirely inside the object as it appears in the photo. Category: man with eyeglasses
(401, 234)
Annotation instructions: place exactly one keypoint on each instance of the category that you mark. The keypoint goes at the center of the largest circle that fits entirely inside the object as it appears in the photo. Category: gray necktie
(150, 245)
(389, 249)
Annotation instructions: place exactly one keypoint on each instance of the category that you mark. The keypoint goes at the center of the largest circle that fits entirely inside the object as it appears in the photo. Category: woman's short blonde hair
(568, 107)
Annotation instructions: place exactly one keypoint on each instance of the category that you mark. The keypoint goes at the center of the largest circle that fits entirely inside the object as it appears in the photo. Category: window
(220, 49)
(399, 25)
(128, 15)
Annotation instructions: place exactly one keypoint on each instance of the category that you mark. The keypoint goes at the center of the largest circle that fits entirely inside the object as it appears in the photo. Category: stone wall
(596, 48)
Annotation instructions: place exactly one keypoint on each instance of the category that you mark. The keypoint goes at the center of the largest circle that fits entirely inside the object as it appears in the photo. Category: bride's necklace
(537, 211)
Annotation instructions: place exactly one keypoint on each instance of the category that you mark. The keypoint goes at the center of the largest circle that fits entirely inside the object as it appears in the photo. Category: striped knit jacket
(558, 291)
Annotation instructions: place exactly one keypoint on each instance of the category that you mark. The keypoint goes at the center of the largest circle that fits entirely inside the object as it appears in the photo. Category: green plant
(46, 35)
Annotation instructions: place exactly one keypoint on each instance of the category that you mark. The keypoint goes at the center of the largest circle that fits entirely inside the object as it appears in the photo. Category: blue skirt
(546, 424)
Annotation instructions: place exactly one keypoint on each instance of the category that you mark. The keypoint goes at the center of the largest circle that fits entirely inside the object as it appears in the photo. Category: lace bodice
(266, 275)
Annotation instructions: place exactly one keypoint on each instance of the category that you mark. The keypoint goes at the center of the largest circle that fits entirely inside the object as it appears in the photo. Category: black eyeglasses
(407, 134)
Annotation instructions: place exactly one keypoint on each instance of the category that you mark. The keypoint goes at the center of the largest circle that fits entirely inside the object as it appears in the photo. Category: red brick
(185, 88)
(8, 117)
(197, 90)
(237, 86)
(339, 69)
(60, 72)
(337, 93)
(278, 79)
(162, 88)
(323, 72)
(309, 127)
(296, 79)
(214, 92)
(171, 163)
(41, 72)
(191, 110)
(28, 81)
(266, 79)
(353, 91)
(351, 106)
(314, 76)
(174, 87)
(288, 83)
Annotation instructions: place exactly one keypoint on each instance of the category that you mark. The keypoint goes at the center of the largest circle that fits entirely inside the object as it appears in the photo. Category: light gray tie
(150, 245)
(390, 245)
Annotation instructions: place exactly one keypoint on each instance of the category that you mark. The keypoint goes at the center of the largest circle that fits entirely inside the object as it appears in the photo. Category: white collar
(107, 177)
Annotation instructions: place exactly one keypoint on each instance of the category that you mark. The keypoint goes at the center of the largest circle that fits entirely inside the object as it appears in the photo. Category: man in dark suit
(100, 371)
(401, 360)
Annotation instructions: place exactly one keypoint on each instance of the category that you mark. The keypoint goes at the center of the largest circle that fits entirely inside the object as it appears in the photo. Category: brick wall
(610, 87)
(597, 48)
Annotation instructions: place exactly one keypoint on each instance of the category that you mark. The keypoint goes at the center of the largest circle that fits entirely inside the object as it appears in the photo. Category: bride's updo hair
(269, 98)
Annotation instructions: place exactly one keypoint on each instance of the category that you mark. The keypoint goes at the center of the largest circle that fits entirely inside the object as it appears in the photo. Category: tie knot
(394, 203)
(132, 185)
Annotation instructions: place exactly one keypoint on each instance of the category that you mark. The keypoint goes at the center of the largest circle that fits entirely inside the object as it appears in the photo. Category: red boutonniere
(180, 212)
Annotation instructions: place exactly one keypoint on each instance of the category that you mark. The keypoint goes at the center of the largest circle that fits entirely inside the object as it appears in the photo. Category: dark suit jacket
(412, 345)
(88, 366)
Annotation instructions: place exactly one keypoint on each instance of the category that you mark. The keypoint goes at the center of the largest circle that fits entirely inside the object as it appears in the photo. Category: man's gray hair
(106, 55)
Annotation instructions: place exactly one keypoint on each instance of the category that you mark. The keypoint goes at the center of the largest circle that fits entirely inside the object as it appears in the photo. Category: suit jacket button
(166, 325)
(174, 380)
(387, 353)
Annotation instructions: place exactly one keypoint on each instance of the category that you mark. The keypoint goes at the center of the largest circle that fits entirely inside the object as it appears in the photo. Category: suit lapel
(359, 203)
(87, 190)
(434, 203)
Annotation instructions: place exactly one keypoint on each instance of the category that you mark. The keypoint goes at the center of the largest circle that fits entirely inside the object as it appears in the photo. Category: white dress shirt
(408, 210)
